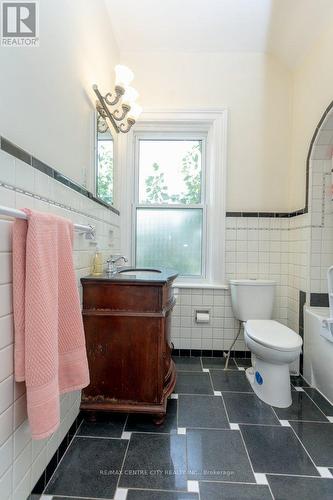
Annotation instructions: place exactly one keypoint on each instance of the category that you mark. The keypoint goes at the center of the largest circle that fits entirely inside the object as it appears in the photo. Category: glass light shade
(135, 111)
(130, 96)
(124, 75)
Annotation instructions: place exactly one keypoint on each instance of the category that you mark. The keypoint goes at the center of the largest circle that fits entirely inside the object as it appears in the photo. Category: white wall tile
(6, 485)
(5, 268)
(6, 362)
(6, 455)
(21, 465)
(6, 302)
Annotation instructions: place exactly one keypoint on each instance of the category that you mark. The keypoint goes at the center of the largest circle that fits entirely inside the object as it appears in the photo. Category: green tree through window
(105, 171)
(157, 190)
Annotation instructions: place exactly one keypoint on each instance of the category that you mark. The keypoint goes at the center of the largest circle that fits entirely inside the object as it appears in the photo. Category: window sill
(212, 286)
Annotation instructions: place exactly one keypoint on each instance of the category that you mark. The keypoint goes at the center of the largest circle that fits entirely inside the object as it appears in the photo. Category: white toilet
(273, 345)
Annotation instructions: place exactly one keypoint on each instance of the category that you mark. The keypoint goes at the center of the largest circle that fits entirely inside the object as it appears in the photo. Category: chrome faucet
(112, 263)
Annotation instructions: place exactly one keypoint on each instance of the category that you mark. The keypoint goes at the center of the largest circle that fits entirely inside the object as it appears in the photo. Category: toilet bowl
(273, 346)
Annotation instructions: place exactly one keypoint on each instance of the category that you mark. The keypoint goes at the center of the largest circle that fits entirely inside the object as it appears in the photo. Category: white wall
(312, 93)
(256, 89)
(46, 104)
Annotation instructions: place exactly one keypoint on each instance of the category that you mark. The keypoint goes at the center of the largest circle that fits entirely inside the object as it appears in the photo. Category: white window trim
(212, 122)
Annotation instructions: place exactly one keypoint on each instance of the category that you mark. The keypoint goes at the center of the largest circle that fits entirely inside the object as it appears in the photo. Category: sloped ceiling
(285, 28)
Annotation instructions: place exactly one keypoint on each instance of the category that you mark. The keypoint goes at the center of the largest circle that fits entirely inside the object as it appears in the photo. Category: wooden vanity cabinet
(127, 328)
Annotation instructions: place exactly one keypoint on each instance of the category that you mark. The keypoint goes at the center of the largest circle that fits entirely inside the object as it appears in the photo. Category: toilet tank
(252, 299)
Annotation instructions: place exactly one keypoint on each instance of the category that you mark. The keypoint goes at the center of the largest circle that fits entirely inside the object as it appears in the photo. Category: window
(173, 167)
(170, 202)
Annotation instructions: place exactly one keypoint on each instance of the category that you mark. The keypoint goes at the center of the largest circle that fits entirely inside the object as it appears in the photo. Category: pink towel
(50, 353)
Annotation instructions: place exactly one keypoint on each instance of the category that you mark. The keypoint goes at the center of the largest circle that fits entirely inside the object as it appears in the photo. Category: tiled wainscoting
(22, 460)
(321, 207)
(256, 247)
(294, 251)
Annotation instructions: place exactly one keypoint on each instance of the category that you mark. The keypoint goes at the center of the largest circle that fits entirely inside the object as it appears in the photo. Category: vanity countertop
(138, 276)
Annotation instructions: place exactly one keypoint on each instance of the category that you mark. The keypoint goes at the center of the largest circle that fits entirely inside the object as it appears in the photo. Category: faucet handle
(115, 258)
(111, 262)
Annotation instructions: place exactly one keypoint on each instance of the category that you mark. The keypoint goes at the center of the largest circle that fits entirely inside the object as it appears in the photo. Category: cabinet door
(123, 356)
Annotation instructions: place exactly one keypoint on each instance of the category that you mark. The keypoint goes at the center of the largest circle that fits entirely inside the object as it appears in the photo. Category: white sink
(139, 272)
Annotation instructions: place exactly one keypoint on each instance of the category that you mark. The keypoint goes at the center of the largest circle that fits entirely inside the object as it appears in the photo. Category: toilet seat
(273, 335)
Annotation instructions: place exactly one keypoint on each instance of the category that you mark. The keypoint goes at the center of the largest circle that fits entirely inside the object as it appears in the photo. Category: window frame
(175, 136)
(213, 121)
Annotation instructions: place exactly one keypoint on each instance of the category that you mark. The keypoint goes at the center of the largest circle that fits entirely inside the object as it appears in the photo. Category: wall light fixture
(124, 96)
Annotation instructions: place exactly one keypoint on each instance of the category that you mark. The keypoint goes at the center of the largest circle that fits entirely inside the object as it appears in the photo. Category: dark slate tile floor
(230, 381)
(201, 412)
(218, 442)
(247, 408)
(320, 401)
(317, 437)
(90, 468)
(144, 423)
(300, 488)
(224, 491)
(302, 408)
(217, 455)
(218, 363)
(157, 460)
(104, 427)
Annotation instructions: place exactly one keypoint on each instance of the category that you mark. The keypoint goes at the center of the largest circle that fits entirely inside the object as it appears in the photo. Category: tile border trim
(54, 203)
(276, 215)
(209, 353)
(319, 299)
(17, 152)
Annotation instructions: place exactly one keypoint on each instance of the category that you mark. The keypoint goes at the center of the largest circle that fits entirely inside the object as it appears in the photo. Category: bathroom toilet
(273, 345)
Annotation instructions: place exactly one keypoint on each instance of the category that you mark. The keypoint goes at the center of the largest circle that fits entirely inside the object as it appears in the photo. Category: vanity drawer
(136, 298)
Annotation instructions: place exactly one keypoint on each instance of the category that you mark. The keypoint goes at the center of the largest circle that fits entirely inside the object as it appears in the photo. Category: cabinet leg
(159, 418)
(91, 416)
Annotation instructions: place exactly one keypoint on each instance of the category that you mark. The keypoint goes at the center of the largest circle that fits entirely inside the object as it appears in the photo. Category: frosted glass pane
(170, 238)
(170, 171)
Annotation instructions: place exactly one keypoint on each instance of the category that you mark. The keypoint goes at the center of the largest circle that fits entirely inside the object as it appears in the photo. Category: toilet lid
(272, 334)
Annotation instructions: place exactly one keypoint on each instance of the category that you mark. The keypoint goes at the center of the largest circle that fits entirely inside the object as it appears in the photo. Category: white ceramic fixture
(318, 355)
(273, 345)
(252, 299)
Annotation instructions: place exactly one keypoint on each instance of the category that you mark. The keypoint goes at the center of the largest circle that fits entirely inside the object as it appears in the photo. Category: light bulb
(130, 96)
(124, 76)
(135, 112)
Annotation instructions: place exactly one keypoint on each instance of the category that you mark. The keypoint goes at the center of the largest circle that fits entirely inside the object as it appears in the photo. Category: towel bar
(18, 214)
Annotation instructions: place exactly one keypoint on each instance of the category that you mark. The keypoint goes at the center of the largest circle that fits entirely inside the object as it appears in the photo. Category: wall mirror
(104, 161)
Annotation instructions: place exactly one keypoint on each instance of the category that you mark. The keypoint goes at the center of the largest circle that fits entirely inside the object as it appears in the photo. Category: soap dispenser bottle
(97, 263)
